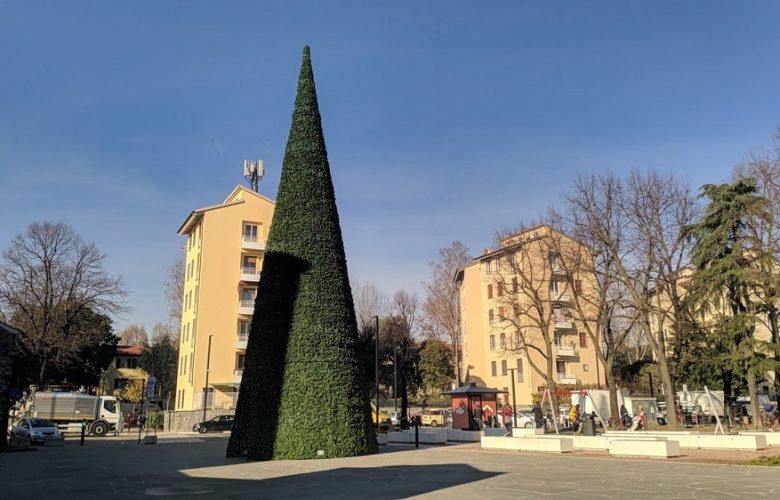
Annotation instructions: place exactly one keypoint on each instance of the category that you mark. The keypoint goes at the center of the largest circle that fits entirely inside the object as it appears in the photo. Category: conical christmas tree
(301, 395)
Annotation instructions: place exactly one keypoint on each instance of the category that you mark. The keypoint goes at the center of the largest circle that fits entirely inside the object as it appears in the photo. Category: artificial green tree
(301, 394)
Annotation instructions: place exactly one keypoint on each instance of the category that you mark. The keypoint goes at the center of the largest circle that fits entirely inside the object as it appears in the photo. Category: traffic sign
(151, 388)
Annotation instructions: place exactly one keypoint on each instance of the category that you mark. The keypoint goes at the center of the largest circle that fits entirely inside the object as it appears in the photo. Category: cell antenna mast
(253, 172)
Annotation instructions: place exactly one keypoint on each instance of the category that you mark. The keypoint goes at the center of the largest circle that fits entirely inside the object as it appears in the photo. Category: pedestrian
(487, 416)
(507, 417)
(625, 418)
(538, 416)
(574, 417)
(129, 421)
(478, 417)
(142, 421)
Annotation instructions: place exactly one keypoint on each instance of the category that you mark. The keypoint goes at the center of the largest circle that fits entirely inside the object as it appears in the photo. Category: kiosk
(469, 403)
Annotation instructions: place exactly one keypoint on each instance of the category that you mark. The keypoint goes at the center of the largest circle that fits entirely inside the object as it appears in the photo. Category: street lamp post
(376, 367)
(514, 391)
(395, 375)
(206, 386)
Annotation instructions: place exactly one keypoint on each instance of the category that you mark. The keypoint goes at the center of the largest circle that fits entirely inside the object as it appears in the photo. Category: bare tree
(174, 292)
(441, 308)
(134, 334)
(369, 302)
(403, 327)
(49, 276)
(638, 224)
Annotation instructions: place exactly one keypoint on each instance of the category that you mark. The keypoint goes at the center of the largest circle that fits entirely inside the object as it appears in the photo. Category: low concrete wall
(494, 431)
(524, 431)
(427, 436)
(644, 448)
(705, 441)
(382, 438)
(772, 438)
(457, 435)
(184, 420)
(543, 444)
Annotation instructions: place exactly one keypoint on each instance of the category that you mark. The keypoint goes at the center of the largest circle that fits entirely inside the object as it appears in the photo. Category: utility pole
(206, 386)
(376, 367)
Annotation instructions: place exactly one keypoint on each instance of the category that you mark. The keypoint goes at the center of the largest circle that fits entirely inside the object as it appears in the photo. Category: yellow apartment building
(521, 294)
(224, 256)
(662, 322)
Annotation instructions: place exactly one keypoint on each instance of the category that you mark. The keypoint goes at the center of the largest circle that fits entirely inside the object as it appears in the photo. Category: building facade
(123, 369)
(224, 254)
(517, 315)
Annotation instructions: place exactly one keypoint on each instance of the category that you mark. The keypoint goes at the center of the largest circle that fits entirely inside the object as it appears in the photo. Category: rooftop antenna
(253, 172)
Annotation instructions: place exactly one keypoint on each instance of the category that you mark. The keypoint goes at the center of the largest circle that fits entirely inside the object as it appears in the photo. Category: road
(191, 465)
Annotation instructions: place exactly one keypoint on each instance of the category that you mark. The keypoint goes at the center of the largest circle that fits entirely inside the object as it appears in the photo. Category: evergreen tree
(726, 260)
(302, 392)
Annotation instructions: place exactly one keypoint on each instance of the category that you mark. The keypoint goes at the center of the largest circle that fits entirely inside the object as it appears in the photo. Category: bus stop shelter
(471, 401)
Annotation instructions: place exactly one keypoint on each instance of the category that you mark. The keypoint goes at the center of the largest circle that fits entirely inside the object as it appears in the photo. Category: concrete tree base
(542, 444)
(644, 448)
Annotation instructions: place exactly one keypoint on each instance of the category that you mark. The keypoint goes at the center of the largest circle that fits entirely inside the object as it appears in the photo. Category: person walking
(538, 416)
(129, 421)
(625, 418)
(574, 417)
(507, 417)
(142, 421)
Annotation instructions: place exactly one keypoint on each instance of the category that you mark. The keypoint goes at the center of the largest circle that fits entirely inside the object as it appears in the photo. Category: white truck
(69, 410)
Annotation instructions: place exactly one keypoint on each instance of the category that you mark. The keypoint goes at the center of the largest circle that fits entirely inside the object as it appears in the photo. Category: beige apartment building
(516, 300)
(224, 254)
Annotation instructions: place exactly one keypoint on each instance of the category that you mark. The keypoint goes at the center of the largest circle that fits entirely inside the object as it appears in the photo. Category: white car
(523, 419)
(395, 417)
(36, 430)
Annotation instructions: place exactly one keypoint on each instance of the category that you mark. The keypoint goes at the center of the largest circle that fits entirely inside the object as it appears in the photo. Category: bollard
(417, 431)
(83, 431)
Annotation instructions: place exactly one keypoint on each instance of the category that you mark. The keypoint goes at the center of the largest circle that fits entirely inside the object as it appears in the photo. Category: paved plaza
(191, 465)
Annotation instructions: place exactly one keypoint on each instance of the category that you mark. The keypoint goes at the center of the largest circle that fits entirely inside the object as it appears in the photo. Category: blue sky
(444, 120)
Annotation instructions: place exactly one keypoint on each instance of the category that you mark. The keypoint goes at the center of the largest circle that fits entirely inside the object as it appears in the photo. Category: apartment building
(516, 300)
(123, 369)
(224, 254)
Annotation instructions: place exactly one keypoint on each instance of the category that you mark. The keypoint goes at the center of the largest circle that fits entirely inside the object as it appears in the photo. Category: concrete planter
(461, 436)
(772, 438)
(660, 448)
(542, 444)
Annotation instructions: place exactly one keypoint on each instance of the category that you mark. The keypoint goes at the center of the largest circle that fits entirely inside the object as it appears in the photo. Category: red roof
(129, 350)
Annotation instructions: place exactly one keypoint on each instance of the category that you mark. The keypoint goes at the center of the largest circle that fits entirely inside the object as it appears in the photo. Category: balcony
(251, 274)
(565, 350)
(252, 243)
(237, 374)
(567, 379)
(246, 307)
(559, 297)
(564, 325)
(241, 340)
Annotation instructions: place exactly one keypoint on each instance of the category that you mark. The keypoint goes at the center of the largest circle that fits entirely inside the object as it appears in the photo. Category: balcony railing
(241, 340)
(238, 374)
(246, 307)
(564, 325)
(565, 350)
(559, 296)
(250, 274)
(567, 379)
(252, 243)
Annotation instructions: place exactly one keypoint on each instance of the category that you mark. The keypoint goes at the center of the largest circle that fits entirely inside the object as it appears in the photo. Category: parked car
(216, 424)
(395, 417)
(523, 419)
(434, 418)
(385, 422)
(35, 430)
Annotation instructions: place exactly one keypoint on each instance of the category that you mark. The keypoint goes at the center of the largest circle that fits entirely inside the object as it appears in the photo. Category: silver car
(35, 430)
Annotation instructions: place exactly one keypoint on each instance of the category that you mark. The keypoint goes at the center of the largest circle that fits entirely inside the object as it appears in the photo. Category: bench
(660, 448)
(772, 438)
(543, 444)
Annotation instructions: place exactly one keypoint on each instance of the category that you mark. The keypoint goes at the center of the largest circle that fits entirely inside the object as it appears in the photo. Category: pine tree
(302, 395)
(725, 280)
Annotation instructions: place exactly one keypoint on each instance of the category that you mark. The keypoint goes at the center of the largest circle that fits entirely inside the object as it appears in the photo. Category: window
(249, 263)
(518, 340)
(120, 383)
(514, 285)
(243, 328)
(501, 314)
(488, 267)
(519, 370)
(498, 264)
(491, 316)
(502, 341)
(554, 288)
(493, 368)
(500, 288)
(125, 362)
(585, 368)
(583, 340)
(503, 367)
(552, 257)
(577, 286)
(250, 232)
(560, 367)
(490, 291)
(240, 358)
(492, 342)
